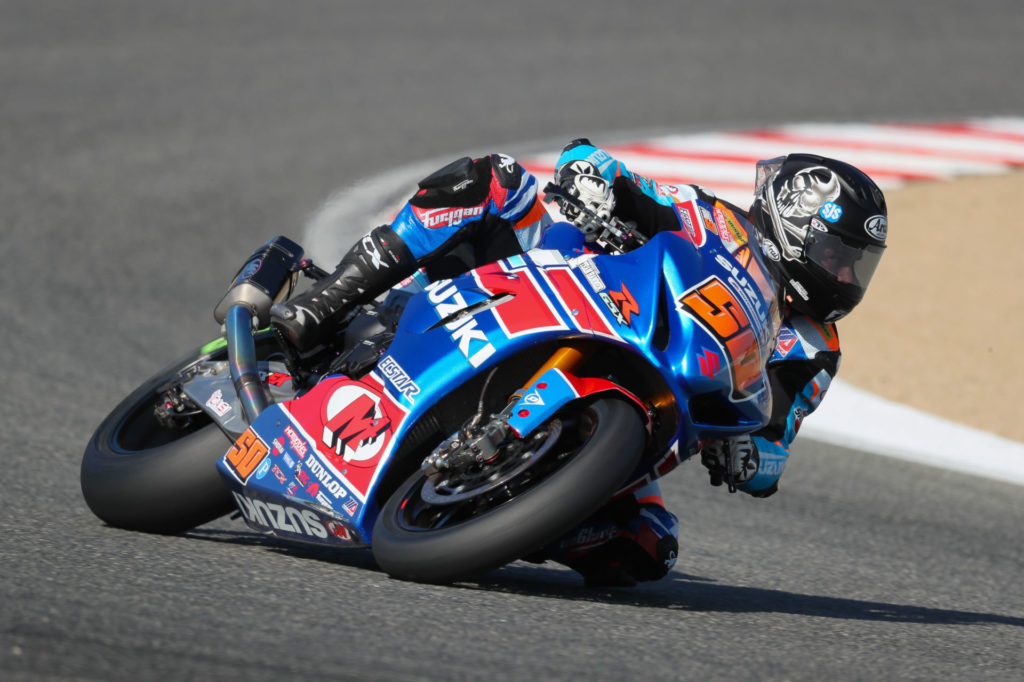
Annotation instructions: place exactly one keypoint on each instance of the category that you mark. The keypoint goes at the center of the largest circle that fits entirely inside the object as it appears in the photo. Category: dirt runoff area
(942, 326)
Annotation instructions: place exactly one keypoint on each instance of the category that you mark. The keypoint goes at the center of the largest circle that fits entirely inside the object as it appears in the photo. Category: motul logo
(355, 428)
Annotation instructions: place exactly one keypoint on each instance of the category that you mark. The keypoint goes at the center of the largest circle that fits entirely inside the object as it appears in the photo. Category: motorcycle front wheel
(596, 447)
(140, 474)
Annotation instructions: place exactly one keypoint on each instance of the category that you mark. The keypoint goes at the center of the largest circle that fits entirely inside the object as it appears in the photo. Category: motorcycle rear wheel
(140, 475)
(414, 540)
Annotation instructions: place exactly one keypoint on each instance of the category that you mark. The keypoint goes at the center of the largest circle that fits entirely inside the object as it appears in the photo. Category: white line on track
(724, 162)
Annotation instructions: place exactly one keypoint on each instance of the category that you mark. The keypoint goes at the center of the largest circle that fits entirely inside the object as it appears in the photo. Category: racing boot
(373, 265)
(632, 539)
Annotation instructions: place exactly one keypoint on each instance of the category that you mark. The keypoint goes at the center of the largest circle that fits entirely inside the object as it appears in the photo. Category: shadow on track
(678, 591)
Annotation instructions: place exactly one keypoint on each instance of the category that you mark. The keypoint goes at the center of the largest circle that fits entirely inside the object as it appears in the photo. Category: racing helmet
(822, 226)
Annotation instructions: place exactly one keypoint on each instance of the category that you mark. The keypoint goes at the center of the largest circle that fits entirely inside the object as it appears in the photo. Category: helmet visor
(848, 264)
(765, 171)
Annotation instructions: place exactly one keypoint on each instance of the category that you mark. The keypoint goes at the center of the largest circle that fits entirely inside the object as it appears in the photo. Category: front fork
(553, 385)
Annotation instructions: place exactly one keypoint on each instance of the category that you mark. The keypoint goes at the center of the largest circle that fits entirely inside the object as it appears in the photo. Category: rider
(821, 228)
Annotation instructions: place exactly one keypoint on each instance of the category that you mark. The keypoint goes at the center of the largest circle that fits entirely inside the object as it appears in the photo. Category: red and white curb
(891, 154)
(723, 161)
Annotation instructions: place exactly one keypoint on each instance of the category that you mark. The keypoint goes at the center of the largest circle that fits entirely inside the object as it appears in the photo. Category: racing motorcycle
(462, 427)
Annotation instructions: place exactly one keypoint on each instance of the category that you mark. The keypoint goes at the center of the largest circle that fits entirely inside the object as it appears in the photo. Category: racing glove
(582, 180)
(731, 460)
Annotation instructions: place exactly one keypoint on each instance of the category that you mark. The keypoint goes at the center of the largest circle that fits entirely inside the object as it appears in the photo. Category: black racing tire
(139, 475)
(597, 468)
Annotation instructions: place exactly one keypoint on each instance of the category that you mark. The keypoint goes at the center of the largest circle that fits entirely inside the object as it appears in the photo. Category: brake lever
(614, 233)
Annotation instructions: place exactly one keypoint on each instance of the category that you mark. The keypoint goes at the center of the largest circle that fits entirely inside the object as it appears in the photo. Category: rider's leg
(632, 538)
(466, 214)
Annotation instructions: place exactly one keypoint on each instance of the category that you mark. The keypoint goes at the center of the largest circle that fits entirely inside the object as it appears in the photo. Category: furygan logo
(449, 216)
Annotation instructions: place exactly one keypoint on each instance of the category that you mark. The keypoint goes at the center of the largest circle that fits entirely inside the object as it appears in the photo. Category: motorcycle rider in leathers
(820, 225)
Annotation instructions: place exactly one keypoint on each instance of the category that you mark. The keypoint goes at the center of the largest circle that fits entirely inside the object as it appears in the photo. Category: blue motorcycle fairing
(689, 323)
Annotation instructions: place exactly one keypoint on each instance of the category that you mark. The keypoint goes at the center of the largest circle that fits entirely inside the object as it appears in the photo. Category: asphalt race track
(148, 148)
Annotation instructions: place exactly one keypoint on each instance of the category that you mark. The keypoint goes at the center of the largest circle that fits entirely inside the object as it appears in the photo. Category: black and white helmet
(822, 227)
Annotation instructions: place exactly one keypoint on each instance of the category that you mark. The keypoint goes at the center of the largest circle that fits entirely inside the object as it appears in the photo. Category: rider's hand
(730, 460)
(582, 180)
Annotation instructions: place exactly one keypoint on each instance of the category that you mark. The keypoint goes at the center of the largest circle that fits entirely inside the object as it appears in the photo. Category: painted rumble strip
(891, 154)
(723, 161)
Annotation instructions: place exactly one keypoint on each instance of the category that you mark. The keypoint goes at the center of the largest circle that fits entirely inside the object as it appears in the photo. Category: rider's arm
(617, 173)
(800, 371)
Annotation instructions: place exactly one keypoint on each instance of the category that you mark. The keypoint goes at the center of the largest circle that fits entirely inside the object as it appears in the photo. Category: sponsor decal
(264, 468)
(277, 447)
(296, 443)
(533, 398)
(729, 229)
(324, 477)
(709, 222)
(338, 530)
(710, 363)
(351, 426)
(288, 461)
(694, 229)
(769, 249)
(350, 505)
(668, 190)
(592, 275)
(250, 269)
(818, 225)
(831, 211)
(371, 250)
(278, 378)
(280, 517)
(246, 454)
(589, 536)
(472, 343)
(738, 282)
(799, 288)
(786, 343)
(506, 163)
(877, 226)
(714, 306)
(621, 304)
(445, 217)
(581, 167)
(323, 499)
(394, 373)
(278, 474)
(292, 488)
(217, 404)
(355, 427)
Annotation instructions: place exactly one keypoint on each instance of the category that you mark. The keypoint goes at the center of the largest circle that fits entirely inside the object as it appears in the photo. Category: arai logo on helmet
(770, 249)
(831, 211)
(877, 226)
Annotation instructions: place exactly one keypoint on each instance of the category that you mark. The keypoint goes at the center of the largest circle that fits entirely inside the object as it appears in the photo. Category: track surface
(146, 149)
